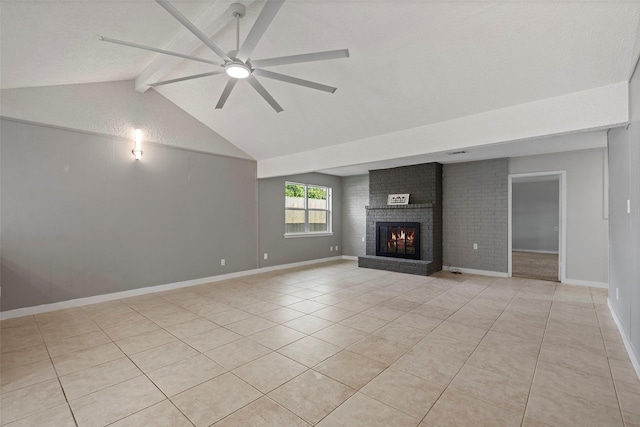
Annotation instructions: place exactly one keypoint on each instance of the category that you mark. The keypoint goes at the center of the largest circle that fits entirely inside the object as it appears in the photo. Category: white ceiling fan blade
(181, 79)
(259, 27)
(263, 92)
(189, 26)
(296, 59)
(293, 80)
(153, 49)
(225, 93)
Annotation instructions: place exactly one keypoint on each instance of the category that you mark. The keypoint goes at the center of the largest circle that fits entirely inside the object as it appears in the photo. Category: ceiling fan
(237, 64)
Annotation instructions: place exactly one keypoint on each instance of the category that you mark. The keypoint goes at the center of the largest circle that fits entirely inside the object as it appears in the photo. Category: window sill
(296, 235)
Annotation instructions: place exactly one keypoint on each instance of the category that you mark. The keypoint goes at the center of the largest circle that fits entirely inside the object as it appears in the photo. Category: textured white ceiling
(53, 42)
(412, 62)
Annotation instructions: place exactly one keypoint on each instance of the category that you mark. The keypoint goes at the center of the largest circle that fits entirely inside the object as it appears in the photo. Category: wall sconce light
(137, 150)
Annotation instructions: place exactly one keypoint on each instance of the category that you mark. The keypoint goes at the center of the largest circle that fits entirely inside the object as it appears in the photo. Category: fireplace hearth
(398, 239)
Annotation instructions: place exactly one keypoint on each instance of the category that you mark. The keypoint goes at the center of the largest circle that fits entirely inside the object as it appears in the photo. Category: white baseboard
(635, 361)
(478, 272)
(350, 257)
(78, 302)
(575, 282)
(286, 266)
(535, 251)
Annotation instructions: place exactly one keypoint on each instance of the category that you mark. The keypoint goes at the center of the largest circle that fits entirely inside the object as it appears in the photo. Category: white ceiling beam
(212, 20)
(593, 109)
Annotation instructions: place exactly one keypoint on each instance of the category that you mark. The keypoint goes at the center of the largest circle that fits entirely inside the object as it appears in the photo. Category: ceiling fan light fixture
(237, 70)
(237, 63)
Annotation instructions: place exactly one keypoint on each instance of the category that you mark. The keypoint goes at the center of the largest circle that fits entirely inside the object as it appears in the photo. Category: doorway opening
(537, 226)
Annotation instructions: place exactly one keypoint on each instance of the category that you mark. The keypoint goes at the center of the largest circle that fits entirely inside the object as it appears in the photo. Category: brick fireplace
(424, 183)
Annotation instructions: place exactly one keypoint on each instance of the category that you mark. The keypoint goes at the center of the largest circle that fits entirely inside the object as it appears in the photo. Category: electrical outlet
(336, 247)
(617, 295)
(363, 239)
(475, 246)
(331, 248)
(222, 261)
(266, 255)
(628, 206)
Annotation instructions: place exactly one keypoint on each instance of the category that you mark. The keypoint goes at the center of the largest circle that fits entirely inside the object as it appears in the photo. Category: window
(307, 209)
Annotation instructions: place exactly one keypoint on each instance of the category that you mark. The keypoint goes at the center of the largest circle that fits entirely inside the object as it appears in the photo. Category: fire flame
(400, 239)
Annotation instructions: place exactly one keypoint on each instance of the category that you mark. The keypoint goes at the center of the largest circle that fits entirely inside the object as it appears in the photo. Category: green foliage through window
(293, 190)
(317, 193)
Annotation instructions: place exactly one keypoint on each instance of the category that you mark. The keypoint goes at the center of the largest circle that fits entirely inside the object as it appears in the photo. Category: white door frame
(562, 233)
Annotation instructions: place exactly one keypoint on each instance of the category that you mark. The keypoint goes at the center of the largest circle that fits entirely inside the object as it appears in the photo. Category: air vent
(453, 153)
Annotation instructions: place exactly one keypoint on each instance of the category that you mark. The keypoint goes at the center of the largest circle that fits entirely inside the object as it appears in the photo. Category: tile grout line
(615, 387)
(370, 291)
(432, 331)
(606, 356)
(535, 369)
(475, 348)
(55, 370)
(199, 352)
(343, 349)
(259, 391)
(93, 366)
(227, 371)
(127, 356)
(177, 339)
(110, 340)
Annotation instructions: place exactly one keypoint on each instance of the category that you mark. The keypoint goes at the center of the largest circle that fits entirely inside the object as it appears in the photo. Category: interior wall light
(137, 150)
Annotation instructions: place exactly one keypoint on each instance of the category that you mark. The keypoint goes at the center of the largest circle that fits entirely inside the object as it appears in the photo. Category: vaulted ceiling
(413, 63)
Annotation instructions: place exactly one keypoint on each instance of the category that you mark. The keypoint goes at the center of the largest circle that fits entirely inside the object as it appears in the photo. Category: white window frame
(306, 210)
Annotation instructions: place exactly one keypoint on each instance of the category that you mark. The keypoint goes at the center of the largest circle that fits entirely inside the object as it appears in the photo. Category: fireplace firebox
(398, 239)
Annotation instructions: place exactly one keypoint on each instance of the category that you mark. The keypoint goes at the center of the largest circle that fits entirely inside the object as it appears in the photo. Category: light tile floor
(326, 345)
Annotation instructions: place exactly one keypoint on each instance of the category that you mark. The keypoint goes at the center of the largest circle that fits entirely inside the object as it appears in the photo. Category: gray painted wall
(475, 210)
(621, 240)
(355, 196)
(271, 222)
(114, 108)
(634, 191)
(80, 217)
(535, 216)
(624, 184)
(587, 228)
